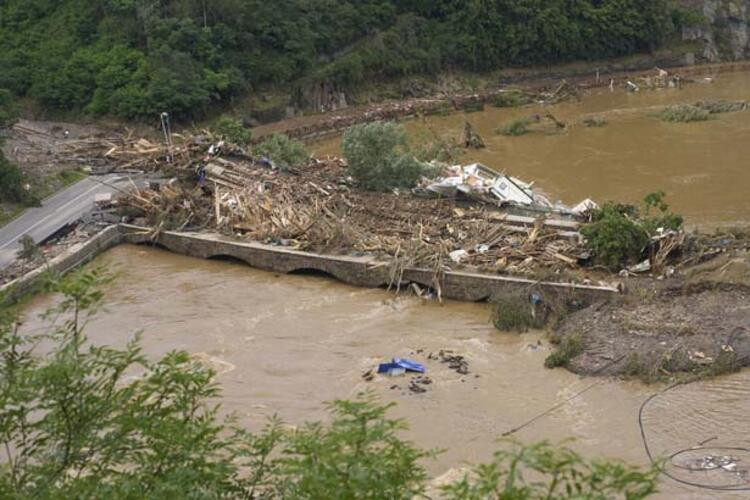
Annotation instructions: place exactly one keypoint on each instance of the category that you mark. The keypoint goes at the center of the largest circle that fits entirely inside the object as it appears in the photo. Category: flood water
(704, 167)
(286, 344)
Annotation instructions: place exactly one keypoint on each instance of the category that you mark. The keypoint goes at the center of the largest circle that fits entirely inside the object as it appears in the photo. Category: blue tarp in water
(406, 364)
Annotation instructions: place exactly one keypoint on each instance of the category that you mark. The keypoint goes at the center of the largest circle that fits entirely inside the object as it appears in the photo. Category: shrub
(516, 127)
(569, 347)
(595, 121)
(722, 106)
(615, 238)
(684, 113)
(511, 99)
(657, 214)
(232, 130)
(558, 472)
(11, 183)
(513, 311)
(619, 234)
(8, 109)
(378, 157)
(284, 152)
(29, 249)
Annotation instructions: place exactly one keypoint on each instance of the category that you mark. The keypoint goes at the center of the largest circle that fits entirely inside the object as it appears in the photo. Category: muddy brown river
(703, 166)
(286, 344)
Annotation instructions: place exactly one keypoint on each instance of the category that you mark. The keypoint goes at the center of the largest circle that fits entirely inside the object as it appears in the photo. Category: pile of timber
(317, 208)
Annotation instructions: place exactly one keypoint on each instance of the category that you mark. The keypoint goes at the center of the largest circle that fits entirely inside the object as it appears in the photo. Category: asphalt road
(55, 212)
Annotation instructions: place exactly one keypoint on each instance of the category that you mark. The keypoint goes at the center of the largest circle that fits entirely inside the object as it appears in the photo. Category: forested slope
(134, 58)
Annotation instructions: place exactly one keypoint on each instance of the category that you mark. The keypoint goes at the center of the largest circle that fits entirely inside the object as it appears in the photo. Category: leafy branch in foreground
(558, 473)
(79, 420)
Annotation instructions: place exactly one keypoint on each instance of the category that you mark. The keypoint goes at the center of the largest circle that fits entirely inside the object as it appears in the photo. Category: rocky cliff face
(725, 34)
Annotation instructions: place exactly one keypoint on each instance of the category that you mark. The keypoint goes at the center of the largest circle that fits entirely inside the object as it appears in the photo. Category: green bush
(29, 249)
(569, 347)
(232, 130)
(557, 472)
(619, 234)
(8, 109)
(684, 113)
(615, 237)
(11, 183)
(511, 99)
(595, 121)
(722, 106)
(378, 157)
(513, 311)
(657, 214)
(516, 127)
(284, 152)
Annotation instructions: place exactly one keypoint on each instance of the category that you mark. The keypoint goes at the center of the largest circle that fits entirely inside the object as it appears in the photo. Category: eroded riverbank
(285, 344)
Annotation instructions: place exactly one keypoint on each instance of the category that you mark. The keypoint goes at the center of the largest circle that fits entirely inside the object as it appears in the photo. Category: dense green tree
(137, 58)
(11, 177)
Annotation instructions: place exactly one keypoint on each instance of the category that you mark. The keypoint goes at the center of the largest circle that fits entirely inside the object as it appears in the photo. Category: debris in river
(416, 385)
(471, 139)
(407, 365)
(455, 362)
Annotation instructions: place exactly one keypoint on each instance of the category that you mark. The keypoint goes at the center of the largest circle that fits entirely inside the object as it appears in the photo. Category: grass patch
(9, 213)
(443, 109)
(516, 127)
(684, 113)
(513, 312)
(568, 348)
(285, 153)
(721, 106)
(472, 107)
(511, 99)
(520, 310)
(657, 367)
(69, 177)
(595, 122)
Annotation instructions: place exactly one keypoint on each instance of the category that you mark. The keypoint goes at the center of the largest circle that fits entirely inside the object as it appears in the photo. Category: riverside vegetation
(79, 420)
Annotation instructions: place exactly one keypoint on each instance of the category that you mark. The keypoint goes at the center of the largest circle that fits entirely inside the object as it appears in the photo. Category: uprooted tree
(80, 420)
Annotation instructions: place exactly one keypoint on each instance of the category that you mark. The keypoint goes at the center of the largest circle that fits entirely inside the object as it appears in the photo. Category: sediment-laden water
(286, 344)
(702, 166)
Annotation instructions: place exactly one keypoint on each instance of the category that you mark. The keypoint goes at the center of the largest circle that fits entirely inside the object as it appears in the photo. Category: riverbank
(464, 93)
(693, 325)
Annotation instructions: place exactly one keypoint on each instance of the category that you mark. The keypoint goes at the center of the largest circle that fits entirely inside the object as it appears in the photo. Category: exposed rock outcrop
(725, 33)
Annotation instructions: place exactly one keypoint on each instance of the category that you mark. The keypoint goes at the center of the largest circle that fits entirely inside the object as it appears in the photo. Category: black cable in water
(738, 487)
(555, 407)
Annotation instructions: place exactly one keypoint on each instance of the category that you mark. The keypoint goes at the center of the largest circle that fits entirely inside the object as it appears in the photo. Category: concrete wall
(73, 257)
(356, 271)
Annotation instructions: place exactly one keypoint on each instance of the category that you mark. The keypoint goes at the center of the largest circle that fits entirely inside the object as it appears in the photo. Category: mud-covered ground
(34, 147)
(697, 323)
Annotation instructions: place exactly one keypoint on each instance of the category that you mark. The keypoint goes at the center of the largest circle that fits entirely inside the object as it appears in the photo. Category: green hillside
(133, 58)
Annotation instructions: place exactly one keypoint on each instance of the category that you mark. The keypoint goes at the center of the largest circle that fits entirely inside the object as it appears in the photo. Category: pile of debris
(480, 183)
(66, 237)
(318, 209)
